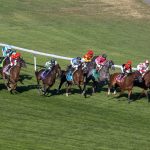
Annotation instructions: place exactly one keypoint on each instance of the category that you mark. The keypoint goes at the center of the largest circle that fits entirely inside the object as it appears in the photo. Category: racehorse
(49, 80)
(102, 76)
(144, 84)
(125, 83)
(12, 79)
(78, 77)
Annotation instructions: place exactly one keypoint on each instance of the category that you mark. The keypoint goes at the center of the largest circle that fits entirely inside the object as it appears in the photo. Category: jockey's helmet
(129, 62)
(78, 58)
(18, 55)
(90, 52)
(104, 55)
(146, 62)
(52, 61)
(8, 47)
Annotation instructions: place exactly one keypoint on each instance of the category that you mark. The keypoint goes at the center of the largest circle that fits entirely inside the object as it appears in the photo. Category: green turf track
(70, 27)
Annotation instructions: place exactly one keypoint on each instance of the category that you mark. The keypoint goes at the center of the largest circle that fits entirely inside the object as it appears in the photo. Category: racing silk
(126, 68)
(14, 58)
(100, 61)
(142, 68)
(48, 65)
(6, 52)
(87, 57)
(75, 63)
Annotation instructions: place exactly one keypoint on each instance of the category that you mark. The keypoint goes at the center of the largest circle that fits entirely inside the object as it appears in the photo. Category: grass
(68, 28)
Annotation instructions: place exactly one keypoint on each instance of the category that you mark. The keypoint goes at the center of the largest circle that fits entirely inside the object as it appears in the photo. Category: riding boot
(122, 75)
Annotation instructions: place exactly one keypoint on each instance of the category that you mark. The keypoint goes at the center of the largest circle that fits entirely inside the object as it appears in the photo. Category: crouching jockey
(100, 61)
(126, 69)
(88, 56)
(75, 63)
(143, 67)
(13, 62)
(49, 65)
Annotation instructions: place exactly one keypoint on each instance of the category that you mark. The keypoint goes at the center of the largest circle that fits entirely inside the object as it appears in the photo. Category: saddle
(120, 78)
(45, 73)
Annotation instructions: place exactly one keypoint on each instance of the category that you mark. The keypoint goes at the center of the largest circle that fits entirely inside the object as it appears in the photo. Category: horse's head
(21, 62)
(108, 65)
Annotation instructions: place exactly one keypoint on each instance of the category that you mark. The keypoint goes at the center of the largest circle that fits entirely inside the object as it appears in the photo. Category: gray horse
(98, 76)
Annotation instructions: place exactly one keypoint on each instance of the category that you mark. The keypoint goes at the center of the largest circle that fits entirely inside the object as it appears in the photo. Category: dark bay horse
(102, 77)
(12, 79)
(78, 78)
(125, 84)
(144, 84)
(49, 79)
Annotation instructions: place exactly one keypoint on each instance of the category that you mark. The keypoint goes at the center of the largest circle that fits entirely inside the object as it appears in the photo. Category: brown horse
(126, 83)
(78, 79)
(12, 79)
(49, 79)
(145, 84)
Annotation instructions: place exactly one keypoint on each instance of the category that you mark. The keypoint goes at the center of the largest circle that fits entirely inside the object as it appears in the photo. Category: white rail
(43, 54)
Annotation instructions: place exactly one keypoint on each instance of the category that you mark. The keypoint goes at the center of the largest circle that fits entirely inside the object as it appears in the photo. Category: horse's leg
(68, 88)
(84, 87)
(63, 79)
(129, 95)
(79, 85)
(114, 88)
(94, 87)
(44, 89)
(110, 86)
(147, 94)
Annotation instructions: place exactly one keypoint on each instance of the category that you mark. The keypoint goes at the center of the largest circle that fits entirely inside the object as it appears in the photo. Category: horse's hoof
(83, 93)
(58, 91)
(130, 101)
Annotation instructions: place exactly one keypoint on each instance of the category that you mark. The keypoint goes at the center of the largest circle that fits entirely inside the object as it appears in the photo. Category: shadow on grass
(25, 77)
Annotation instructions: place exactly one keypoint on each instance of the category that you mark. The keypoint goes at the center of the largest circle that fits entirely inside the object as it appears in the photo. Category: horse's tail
(37, 78)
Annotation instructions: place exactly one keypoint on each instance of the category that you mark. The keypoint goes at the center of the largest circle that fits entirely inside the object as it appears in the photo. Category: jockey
(13, 62)
(88, 56)
(76, 62)
(143, 67)
(6, 51)
(126, 68)
(14, 58)
(100, 60)
(50, 64)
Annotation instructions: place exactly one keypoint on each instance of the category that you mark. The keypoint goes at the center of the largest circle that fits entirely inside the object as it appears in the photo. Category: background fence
(42, 54)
